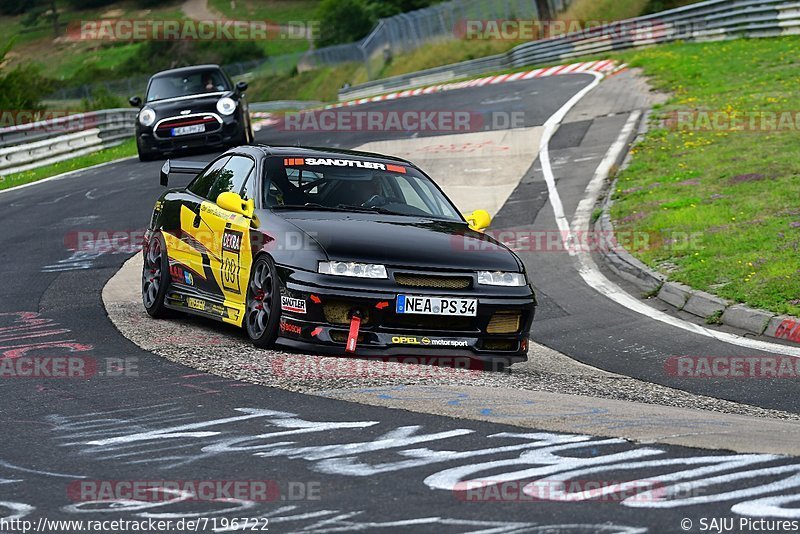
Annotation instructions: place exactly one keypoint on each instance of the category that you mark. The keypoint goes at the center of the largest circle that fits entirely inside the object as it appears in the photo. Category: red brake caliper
(352, 338)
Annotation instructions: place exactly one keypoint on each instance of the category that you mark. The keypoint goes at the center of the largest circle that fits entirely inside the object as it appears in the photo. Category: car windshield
(192, 83)
(354, 185)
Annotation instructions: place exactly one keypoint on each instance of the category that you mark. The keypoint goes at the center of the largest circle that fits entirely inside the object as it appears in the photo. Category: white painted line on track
(65, 174)
(544, 152)
(586, 266)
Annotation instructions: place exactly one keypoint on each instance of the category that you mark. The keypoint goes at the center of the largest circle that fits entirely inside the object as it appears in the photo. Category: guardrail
(704, 21)
(36, 144)
(41, 143)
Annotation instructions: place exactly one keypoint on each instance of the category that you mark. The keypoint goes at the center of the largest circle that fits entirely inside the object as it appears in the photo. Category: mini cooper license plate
(187, 130)
(436, 305)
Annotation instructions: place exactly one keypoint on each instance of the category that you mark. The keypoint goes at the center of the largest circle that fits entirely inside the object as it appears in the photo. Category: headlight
(488, 278)
(226, 105)
(147, 117)
(357, 270)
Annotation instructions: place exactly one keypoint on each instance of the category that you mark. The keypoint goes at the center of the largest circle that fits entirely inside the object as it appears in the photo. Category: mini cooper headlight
(147, 117)
(488, 278)
(357, 270)
(226, 105)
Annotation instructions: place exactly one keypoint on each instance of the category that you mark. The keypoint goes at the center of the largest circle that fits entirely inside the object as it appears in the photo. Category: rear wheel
(155, 277)
(262, 311)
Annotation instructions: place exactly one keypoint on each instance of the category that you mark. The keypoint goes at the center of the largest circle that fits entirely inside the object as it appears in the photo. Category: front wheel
(155, 277)
(262, 312)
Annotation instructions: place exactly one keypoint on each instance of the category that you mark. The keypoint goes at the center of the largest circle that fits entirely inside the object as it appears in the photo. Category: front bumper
(230, 131)
(317, 318)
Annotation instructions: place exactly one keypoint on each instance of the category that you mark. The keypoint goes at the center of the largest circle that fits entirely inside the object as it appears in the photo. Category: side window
(201, 186)
(233, 176)
(249, 190)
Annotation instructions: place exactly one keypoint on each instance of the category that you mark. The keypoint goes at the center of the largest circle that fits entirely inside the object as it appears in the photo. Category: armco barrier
(704, 21)
(41, 143)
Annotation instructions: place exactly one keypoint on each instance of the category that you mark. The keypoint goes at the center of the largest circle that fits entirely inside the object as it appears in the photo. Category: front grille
(164, 128)
(338, 312)
(341, 337)
(499, 344)
(432, 281)
(503, 323)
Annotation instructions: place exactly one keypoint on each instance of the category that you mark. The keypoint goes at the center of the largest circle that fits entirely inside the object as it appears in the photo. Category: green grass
(736, 192)
(319, 84)
(126, 149)
(280, 11)
(277, 11)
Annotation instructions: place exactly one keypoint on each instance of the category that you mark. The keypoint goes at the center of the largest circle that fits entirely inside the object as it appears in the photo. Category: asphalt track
(372, 467)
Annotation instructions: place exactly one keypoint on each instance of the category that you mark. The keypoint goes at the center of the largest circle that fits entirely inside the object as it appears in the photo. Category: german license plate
(410, 304)
(187, 130)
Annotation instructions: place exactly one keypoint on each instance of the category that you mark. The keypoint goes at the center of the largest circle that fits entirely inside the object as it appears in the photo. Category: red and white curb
(575, 68)
(605, 66)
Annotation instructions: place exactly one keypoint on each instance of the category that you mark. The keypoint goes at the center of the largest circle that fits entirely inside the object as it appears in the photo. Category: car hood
(404, 241)
(196, 104)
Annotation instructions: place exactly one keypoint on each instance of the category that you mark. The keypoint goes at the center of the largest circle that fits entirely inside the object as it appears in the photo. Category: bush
(102, 99)
(22, 87)
(161, 55)
(14, 7)
(344, 21)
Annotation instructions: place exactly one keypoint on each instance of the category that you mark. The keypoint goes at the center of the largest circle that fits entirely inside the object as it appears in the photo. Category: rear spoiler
(180, 167)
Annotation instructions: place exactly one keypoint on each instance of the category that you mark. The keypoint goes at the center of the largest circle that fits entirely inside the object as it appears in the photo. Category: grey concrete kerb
(683, 298)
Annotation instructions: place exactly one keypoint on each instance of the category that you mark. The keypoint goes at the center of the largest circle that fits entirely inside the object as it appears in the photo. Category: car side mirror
(241, 87)
(135, 101)
(479, 220)
(165, 170)
(230, 201)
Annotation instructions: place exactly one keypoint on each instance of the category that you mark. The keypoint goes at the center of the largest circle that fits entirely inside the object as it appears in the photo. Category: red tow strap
(352, 338)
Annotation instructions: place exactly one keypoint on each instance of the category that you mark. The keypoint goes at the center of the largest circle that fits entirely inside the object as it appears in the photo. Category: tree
(344, 21)
(42, 11)
(23, 87)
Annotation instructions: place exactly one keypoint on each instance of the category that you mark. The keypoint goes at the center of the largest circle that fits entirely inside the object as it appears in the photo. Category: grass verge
(126, 149)
(720, 203)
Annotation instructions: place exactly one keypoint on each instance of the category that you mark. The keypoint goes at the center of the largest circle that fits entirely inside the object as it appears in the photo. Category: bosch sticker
(293, 305)
(290, 328)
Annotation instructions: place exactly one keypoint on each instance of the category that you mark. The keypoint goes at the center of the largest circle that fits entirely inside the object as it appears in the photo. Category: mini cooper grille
(435, 282)
(503, 323)
(209, 121)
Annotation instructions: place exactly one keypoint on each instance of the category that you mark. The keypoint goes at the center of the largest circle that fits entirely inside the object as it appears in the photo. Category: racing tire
(146, 156)
(262, 307)
(156, 278)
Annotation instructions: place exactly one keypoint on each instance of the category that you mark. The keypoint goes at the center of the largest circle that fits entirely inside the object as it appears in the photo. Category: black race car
(334, 252)
(191, 107)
